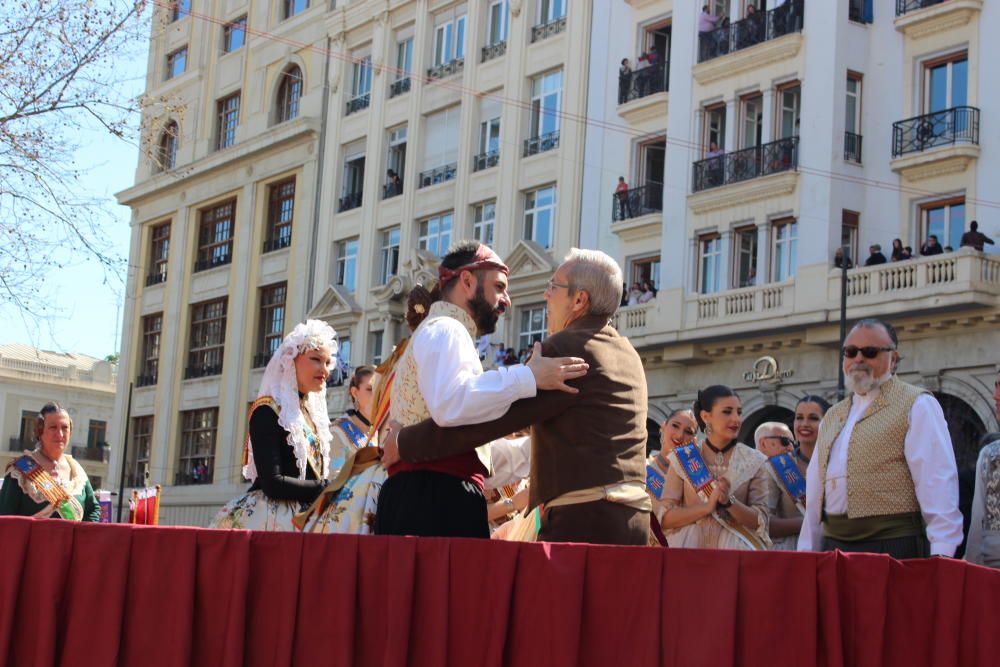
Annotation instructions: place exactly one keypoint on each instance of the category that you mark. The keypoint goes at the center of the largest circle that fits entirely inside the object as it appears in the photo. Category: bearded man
(440, 376)
(883, 477)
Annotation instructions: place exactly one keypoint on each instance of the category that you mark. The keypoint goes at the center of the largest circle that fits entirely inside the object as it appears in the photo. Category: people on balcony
(875, 256)
(393, 184)
(624, 80)
(839, 260)
(897, 251)
(707, 22)
(621, 198)
(647, 293)
(975, 238)
(931, 246)
(634, 294)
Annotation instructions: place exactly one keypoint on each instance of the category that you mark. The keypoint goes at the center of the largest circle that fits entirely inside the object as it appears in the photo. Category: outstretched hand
(553, 372)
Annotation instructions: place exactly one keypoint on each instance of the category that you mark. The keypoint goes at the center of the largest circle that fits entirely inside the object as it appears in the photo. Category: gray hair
(766, 429)
(597, 274)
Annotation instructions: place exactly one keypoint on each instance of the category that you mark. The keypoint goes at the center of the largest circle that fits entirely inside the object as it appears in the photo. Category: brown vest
(878, 478)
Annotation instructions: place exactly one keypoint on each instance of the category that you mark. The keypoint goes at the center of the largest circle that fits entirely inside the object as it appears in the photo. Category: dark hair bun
(706, 401)
(418, 304)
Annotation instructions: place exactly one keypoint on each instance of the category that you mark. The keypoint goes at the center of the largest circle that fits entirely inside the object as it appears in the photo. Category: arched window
(289, 92)
(166, 150)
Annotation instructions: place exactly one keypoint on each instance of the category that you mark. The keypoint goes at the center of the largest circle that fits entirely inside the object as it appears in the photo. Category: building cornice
(646, 108)
(752, 58)
(938, 18)
(739, 194)
(936, 162)
(636, 229)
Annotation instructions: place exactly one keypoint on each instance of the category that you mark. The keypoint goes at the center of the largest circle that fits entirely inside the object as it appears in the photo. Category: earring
(708, 429)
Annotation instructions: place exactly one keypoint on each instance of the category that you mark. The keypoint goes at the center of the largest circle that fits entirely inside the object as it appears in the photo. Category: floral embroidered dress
(749, 483)
(983, 545)
(20, 496)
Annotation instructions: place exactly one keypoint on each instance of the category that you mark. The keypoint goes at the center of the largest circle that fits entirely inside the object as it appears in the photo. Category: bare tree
(57, 78)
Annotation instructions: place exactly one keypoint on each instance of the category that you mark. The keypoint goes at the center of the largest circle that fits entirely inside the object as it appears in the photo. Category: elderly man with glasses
(883, 477)
(588, 450)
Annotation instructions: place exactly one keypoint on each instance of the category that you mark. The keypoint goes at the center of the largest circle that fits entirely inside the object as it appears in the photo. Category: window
(215, 236)
(710, 263)
(234, 34)
(166, 149)
(361, 84)
(159, 252)
(715, 128)
(375, 345)
(790, 101)
(539, 215)
(27, 437)
(354, 177)
(176, 62)
(449, 38)
(272, 322)
(441, 145)
(97, 433)
(435, 234)
(179, 9)
(138, 464)
(546, 103)
(534, 326)
(849, 224)
(289, 94)
(944, 219)
(946, 82)
(852, 114)
(496, 22)
(389, 255)
(292, 7)
(280, 211)
(347, 264)
(752, 112)
(745, 273)
(484, 216)
(646, 269)
(196, 458)
(551, 10)
(228, 119)
(395, 162)
(208, 335)
(152, 326)
(785, 234)
(489, 134)
(404, 58)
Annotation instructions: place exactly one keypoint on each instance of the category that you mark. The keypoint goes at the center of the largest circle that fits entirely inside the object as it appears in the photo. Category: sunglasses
(783, 439)
(869, 352)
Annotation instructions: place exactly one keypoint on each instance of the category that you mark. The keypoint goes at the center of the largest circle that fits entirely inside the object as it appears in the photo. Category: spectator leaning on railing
(931, 246)
(975, 238)
(876, 257)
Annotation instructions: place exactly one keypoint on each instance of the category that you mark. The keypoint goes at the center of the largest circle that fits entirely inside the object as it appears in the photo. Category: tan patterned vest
(878, 479)
(407, 405)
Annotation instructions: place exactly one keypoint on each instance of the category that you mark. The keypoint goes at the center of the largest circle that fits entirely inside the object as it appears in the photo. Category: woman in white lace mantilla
(287, 453)
(736, 514)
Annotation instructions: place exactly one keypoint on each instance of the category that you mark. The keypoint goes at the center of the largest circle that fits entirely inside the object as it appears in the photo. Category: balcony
(156, 278)
(147, 380)
(390, 190)
(220, 259)
(491, 51)
(437, 175)
(541, 143)
(18, 445)
(546, 30)
(743, 165)
(637, 202)
(350, 201)
(906, 6)
(631, 319)
(358, 103)
(643, 82)
(260, 359)
(399, 87)
(753, 30)
(100, 454)
(282, 241)
(852, 147)
(920, 18)
(446, 69)
(192, 372)
(941, 128)
(485, 160)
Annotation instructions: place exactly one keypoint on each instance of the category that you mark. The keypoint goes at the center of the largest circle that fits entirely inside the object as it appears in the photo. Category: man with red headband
(440, 377)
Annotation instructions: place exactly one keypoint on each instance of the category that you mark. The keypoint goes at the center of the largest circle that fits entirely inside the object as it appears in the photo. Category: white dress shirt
(930, 458)
(451, 377)
(511, 459)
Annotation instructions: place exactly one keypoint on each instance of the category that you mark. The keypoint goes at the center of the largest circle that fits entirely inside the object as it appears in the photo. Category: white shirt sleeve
(811, 533)
(452, 381)
(511, 460)
(931, 460)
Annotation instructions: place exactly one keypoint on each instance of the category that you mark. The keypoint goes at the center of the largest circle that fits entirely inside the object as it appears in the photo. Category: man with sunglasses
(774, 439)
(883, 477)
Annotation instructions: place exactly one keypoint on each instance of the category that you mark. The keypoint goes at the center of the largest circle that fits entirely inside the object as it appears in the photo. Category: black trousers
(899, 548)
(431, 504)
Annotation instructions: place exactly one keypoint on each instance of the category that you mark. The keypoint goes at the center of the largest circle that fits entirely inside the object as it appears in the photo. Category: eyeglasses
(553, 284)
(783, 439)
(869, 352)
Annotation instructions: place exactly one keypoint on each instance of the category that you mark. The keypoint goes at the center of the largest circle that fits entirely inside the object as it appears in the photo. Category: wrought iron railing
(102, 454)
(260, 359)
(643, 82)
(446, 69)
(743, 165)
(191, 372)
(543, 30)
(852, 147)
(906, 6)
(438, 175)
(491, 51)
(282, 241)
(959, 125)
(358, 103)
(156, 278)
(390, 190)
(349, 201)
(485, 160)
(145, 380)
(637, 202)
(541, 143)
(754, 29)
(213, 261)
(399, 87)
(18, 445)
